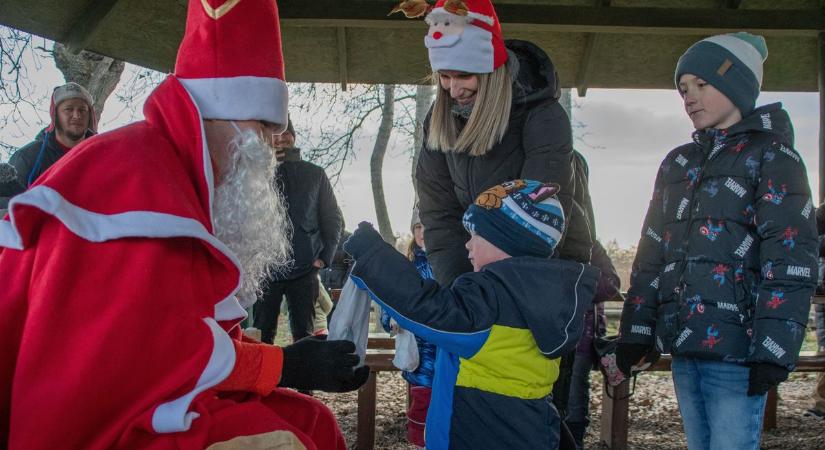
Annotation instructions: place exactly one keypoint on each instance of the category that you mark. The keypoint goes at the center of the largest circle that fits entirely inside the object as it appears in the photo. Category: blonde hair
(411, 249)
(488, 120)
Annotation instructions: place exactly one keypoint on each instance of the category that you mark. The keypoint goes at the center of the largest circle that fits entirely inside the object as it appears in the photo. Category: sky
(624, 134)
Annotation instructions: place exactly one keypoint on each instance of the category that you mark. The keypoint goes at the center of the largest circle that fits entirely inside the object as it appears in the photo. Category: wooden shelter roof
(594, 43)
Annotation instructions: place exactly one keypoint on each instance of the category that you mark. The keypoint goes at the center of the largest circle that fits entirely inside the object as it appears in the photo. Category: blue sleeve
(457, 319)
(385, 320)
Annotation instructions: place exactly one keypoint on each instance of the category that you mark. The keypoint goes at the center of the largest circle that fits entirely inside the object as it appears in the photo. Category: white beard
(249, 215)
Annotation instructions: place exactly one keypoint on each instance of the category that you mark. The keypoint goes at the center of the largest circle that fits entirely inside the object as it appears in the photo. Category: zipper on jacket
(686, 239)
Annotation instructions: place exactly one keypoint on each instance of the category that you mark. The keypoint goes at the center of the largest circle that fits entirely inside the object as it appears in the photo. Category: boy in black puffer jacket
(726, 264)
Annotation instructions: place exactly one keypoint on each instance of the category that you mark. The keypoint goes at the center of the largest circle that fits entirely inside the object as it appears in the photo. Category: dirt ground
(654, 415)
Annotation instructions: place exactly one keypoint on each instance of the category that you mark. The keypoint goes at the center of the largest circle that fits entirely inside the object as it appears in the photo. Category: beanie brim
(498, 228)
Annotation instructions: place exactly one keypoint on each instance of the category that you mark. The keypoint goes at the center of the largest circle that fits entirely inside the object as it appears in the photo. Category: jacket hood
(536, 79)
(552, 296)
(770, 118)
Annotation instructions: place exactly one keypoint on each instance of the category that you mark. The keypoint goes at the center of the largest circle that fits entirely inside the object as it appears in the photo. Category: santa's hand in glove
(313, 363)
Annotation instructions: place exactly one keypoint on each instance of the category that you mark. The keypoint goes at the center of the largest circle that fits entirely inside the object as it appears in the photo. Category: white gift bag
(351, 320)
(406, 351)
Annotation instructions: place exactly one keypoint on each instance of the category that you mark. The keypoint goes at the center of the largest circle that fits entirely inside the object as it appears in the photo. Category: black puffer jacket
(538, 145)
(726, 264)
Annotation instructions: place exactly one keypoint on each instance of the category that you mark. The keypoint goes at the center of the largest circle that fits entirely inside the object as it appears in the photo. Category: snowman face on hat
(445, 29)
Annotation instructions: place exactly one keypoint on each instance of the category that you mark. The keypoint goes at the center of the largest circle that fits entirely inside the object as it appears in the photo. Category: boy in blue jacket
(500, 329)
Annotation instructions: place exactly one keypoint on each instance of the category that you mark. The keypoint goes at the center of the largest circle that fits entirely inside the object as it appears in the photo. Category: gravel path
(654, 415)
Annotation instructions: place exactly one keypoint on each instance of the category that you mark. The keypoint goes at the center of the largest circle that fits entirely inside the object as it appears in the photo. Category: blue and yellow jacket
(499, 334)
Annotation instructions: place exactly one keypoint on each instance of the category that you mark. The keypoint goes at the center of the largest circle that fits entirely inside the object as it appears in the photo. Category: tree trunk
(377, 163)
(423, 100)
(97, 73)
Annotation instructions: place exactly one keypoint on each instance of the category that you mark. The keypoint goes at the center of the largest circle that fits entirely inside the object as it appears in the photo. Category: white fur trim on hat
(240, 98)
(743, 50)
(486, 19)
(470, 15)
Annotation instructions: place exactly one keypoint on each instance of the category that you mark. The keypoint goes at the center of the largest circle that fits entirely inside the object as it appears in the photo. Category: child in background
(500, 329)
(421, 379)
(323, 309)
(578, 404)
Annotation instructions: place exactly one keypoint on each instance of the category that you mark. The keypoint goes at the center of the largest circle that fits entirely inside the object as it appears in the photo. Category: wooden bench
(614, 420)
(380, 352)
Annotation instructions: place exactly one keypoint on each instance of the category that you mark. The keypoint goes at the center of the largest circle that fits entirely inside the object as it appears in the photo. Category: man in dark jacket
(72, 121)
(316, 227)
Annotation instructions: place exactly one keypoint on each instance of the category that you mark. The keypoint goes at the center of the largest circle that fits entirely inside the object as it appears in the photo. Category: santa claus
(127, 266)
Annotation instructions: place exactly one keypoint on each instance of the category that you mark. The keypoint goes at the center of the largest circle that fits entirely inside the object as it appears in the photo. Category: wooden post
(769, 419)
(366, 414)
(821, 117)
(615, 416)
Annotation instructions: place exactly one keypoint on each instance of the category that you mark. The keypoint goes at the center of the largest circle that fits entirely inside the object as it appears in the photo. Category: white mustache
(447, 40)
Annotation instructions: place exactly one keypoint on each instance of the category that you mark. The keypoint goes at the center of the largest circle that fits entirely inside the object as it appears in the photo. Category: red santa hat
(465, 35)
(230, 60)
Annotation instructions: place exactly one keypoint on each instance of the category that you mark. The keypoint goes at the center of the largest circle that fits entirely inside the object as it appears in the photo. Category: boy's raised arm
(458, 318)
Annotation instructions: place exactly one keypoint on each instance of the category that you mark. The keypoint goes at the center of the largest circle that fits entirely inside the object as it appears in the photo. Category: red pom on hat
(231, 62)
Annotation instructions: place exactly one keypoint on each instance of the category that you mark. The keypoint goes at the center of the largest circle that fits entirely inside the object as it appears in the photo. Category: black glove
(313, 363)
(764, 376)
(627, 355)
(362, 240)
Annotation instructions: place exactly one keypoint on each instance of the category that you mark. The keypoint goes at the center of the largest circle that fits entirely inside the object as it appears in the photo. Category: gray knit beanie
(72, 90)
(416, 219)
(732, 63)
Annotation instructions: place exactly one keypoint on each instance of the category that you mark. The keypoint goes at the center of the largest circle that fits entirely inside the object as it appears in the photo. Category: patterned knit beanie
(732, 63)
(520, 217)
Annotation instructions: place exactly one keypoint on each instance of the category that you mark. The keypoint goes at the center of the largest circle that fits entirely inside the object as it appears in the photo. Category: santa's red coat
(117, 302)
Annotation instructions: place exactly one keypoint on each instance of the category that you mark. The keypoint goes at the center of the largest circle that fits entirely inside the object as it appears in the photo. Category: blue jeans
(716, 410)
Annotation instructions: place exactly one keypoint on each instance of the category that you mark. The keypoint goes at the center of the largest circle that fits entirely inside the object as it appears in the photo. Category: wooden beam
(342, 57)
(821, 117)
(587, 57)
(82, 30)
(365, 427)
(769, 416)
(586, 63)
(614, 423)
(699, 20)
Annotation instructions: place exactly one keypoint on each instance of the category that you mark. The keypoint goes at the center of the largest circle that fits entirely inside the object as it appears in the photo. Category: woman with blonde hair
(496, 117)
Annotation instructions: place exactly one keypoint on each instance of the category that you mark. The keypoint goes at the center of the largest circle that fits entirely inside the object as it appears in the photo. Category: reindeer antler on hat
(464, 35)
